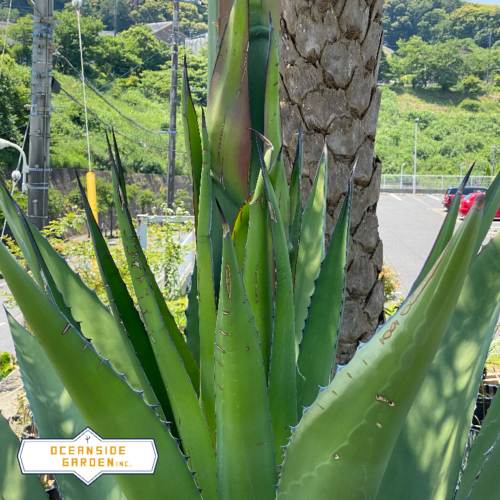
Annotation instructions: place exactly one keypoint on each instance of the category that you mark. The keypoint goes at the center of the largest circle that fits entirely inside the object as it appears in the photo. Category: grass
(68, 141)
(454, 128)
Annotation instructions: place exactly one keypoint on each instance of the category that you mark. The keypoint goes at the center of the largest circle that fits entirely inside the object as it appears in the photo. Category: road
(409, 225)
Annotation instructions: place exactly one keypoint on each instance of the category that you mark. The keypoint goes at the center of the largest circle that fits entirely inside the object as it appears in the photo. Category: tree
(22, 33)
(66, 37)
(329, 65)
(107, 14)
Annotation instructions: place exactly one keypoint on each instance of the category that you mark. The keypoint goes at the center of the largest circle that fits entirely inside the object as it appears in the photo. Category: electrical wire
(134, 68)
(109, 127)
(77, 8)
(110, 104)
(5, 37)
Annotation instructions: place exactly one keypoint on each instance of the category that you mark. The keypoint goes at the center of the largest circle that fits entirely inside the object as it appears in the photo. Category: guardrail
(185, 269)
(424, 182)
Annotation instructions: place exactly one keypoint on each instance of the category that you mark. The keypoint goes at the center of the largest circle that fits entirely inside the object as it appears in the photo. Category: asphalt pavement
(408, 226)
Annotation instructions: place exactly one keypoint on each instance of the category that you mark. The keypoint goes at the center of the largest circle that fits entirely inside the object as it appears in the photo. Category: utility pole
(415, 159)
(493, 160)
(41, 83)
(173, 106)
(114, 24)
(488, 66)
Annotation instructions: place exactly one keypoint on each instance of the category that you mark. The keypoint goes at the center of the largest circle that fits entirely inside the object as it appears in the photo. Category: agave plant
(248, 403)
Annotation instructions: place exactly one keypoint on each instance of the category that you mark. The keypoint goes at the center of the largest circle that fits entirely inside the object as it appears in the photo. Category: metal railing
(405, 182)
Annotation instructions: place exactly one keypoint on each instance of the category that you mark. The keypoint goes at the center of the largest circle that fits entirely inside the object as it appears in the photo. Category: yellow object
(92, 194)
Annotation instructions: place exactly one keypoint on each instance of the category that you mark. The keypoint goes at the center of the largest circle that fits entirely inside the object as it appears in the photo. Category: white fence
(424, 182)
(185, 269)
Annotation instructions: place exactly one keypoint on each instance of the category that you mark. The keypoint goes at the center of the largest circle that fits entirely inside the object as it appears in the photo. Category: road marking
(397, 197)
(434, 197)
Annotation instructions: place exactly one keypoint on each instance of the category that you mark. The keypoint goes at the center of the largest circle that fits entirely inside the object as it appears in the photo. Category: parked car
(451, 191)
(468, 201)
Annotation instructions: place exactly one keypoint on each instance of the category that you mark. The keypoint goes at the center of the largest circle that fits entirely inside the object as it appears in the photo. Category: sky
(491, 2)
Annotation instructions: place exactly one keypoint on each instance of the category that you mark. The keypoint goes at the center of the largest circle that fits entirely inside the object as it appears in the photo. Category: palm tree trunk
(330, 51)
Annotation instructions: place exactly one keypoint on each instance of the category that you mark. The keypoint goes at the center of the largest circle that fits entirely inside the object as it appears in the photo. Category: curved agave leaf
(296, 204)
(272, 116)
(427, 456)
(13, 484)
(318, 349)
(55, 414)
(282, 374)
(192, 138)
(240, 232)
(311, 249)
(138, 265)
(378, 386)
(445, 233)
(257, 271)
(77, 301)
(125, 314)
(480, 480)
(245, 451)
(206, 294)
(99, 392)
(228, 115)
(192, 330)
(189, 417)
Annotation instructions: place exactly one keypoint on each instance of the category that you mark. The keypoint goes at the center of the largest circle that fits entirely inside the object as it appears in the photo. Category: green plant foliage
(269, 303)
(7, 364)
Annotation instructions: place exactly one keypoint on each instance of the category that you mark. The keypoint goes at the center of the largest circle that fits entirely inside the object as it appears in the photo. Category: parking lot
(409, 225)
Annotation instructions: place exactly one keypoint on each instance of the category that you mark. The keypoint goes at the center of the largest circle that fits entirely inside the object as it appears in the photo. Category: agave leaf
(189, 418)
(240, 232)
(192, 330)
(229, 130)
(11, 212)
(491, 207)
(78, 302)
(126, 317)
(245, 452)
(206, 295)
(55, 414)
(445, 233)
(277, 175)
(13, 484)
(282, 376)
(378, 387)
(272, 117)
(104, 394)
(311, 250)
(480, 480)
(296, 204)
(257, 271)
(192, 138)
(139, 267)
(318, 349)
(428, 453)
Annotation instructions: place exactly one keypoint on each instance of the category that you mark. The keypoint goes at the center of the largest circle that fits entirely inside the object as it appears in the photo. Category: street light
(415, 161)
(401, 183)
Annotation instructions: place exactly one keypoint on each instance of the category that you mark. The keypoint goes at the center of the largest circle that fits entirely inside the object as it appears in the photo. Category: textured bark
(330, 51)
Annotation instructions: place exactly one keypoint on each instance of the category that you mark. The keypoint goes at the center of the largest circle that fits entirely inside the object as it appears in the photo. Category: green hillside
(453, 128)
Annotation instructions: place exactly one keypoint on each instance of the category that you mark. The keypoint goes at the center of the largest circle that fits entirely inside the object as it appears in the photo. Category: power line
(109, 127)
(138, 66)
(91, 87)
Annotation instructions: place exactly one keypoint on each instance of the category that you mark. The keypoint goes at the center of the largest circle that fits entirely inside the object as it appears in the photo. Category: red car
(468, 201)
(450, 193)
